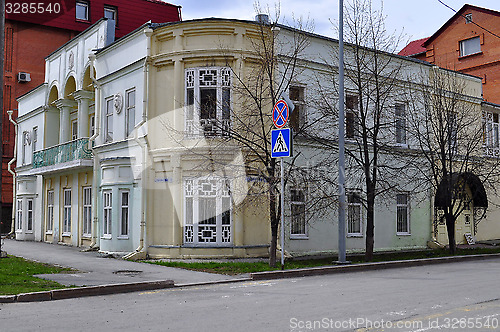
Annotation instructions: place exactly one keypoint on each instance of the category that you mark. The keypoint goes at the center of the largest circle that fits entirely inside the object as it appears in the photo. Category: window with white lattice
(208, 101)
(19, 219)
(207, 211)
(124, 212)
(491, 134)
(402, 215)
(298, 228)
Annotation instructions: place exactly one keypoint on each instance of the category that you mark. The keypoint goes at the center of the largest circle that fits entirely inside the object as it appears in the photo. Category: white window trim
(195, 225)
(361, 219)
(107, 211)
(128, 108)
(304, 236)
(193, 127)
(19, 216)
(67, 211)
(408, 223)
(121, 234)
(50, 213)
(30, 214)
(405, 120)
(87, 207)
(108, 113)
(462, 46)
(87, 10)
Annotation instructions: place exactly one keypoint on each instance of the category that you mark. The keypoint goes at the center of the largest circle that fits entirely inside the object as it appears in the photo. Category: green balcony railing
(62, 153)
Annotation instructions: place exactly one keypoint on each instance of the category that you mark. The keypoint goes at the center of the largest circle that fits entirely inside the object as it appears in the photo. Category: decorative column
(64, 106)
(83, 98)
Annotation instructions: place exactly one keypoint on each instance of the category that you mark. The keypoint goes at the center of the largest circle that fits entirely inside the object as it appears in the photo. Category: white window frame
(470, 46)
(400, 123)
(124, 213)
(113, 10)
(50, 212)
(67, 199)
(354, 122)
(108, 120)
(130, 112)
(85, 6)
(74, 130)
(350, 206)
(107, 219)
(196, 231)
(196, 81)
(468, 18)
(29, 215)
(298, 220)
(35, 137)
(92, 125)
(403, 207)
(491, 134)
(87, 211)
(299, 106)
(19, 215)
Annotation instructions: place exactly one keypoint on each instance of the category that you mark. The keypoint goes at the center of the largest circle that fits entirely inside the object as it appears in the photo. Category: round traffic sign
(280, 113)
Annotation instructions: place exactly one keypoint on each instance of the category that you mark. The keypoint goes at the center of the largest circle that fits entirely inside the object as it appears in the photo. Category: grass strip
(236, 268)
(16, 276)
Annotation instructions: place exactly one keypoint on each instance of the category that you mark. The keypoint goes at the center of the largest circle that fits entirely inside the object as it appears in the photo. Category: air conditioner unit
(23, 77)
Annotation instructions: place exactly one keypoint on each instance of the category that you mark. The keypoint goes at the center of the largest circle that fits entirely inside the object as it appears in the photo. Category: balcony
(70, 155)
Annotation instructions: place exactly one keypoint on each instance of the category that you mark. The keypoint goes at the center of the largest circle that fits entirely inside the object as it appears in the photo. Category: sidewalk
(94, 269)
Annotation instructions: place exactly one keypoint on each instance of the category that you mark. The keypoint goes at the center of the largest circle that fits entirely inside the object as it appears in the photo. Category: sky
(415, 18)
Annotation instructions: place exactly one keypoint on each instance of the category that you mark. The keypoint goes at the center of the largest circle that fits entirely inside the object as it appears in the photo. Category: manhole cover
(128, 272)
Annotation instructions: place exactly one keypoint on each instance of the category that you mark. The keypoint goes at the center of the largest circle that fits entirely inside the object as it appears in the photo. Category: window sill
(66, 234)
(29, 232)
(355, 235)
(122, 237)
(79, 20)
(48, 233)
(469, 55)
(106, 237)
(403, 234)
(299, 237)
(86, 236)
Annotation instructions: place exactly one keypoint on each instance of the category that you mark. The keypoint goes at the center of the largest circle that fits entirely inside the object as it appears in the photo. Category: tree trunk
(450, 228)
(274, 226)
(370, 230)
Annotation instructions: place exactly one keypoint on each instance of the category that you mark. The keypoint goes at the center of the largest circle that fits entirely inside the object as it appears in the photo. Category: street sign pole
(282, 214)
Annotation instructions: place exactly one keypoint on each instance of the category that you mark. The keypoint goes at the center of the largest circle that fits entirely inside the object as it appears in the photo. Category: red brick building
(468, 42)
(31, 37)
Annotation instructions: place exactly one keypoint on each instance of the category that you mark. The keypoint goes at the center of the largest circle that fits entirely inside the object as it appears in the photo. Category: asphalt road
(446, 297)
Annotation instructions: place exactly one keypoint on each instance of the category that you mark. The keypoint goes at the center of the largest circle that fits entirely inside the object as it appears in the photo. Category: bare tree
(447, 125)
(373, 78)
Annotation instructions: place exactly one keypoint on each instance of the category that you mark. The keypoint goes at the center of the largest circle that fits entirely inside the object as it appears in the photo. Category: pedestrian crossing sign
(281, 143)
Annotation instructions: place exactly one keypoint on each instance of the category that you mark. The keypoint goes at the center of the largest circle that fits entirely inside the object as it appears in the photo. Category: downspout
(97, 126)
(14, 180)
(140, 252)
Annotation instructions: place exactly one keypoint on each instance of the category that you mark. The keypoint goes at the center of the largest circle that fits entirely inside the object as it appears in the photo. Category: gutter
(140, 252)
(14, 180)
(97, 127)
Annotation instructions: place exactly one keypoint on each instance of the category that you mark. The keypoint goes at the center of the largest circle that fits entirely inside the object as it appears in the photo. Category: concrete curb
(68, 293)
(365, 267)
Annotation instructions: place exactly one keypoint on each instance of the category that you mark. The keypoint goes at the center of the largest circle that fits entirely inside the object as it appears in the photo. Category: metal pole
(342, 198)
(282, 214)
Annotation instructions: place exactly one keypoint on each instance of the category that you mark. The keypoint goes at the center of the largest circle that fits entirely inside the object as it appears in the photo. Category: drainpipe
(140, 251)
(14, 180)
(97, 126)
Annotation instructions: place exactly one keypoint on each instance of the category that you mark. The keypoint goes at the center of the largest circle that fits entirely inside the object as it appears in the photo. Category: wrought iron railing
(70, 151)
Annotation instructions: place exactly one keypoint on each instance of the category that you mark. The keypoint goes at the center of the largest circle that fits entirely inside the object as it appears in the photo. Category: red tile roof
(414, 47)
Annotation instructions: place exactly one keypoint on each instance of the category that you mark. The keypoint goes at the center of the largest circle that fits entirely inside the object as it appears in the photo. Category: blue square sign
(281, 143)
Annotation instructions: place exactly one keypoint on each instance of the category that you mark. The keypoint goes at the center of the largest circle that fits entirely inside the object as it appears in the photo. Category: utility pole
(342, 198)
